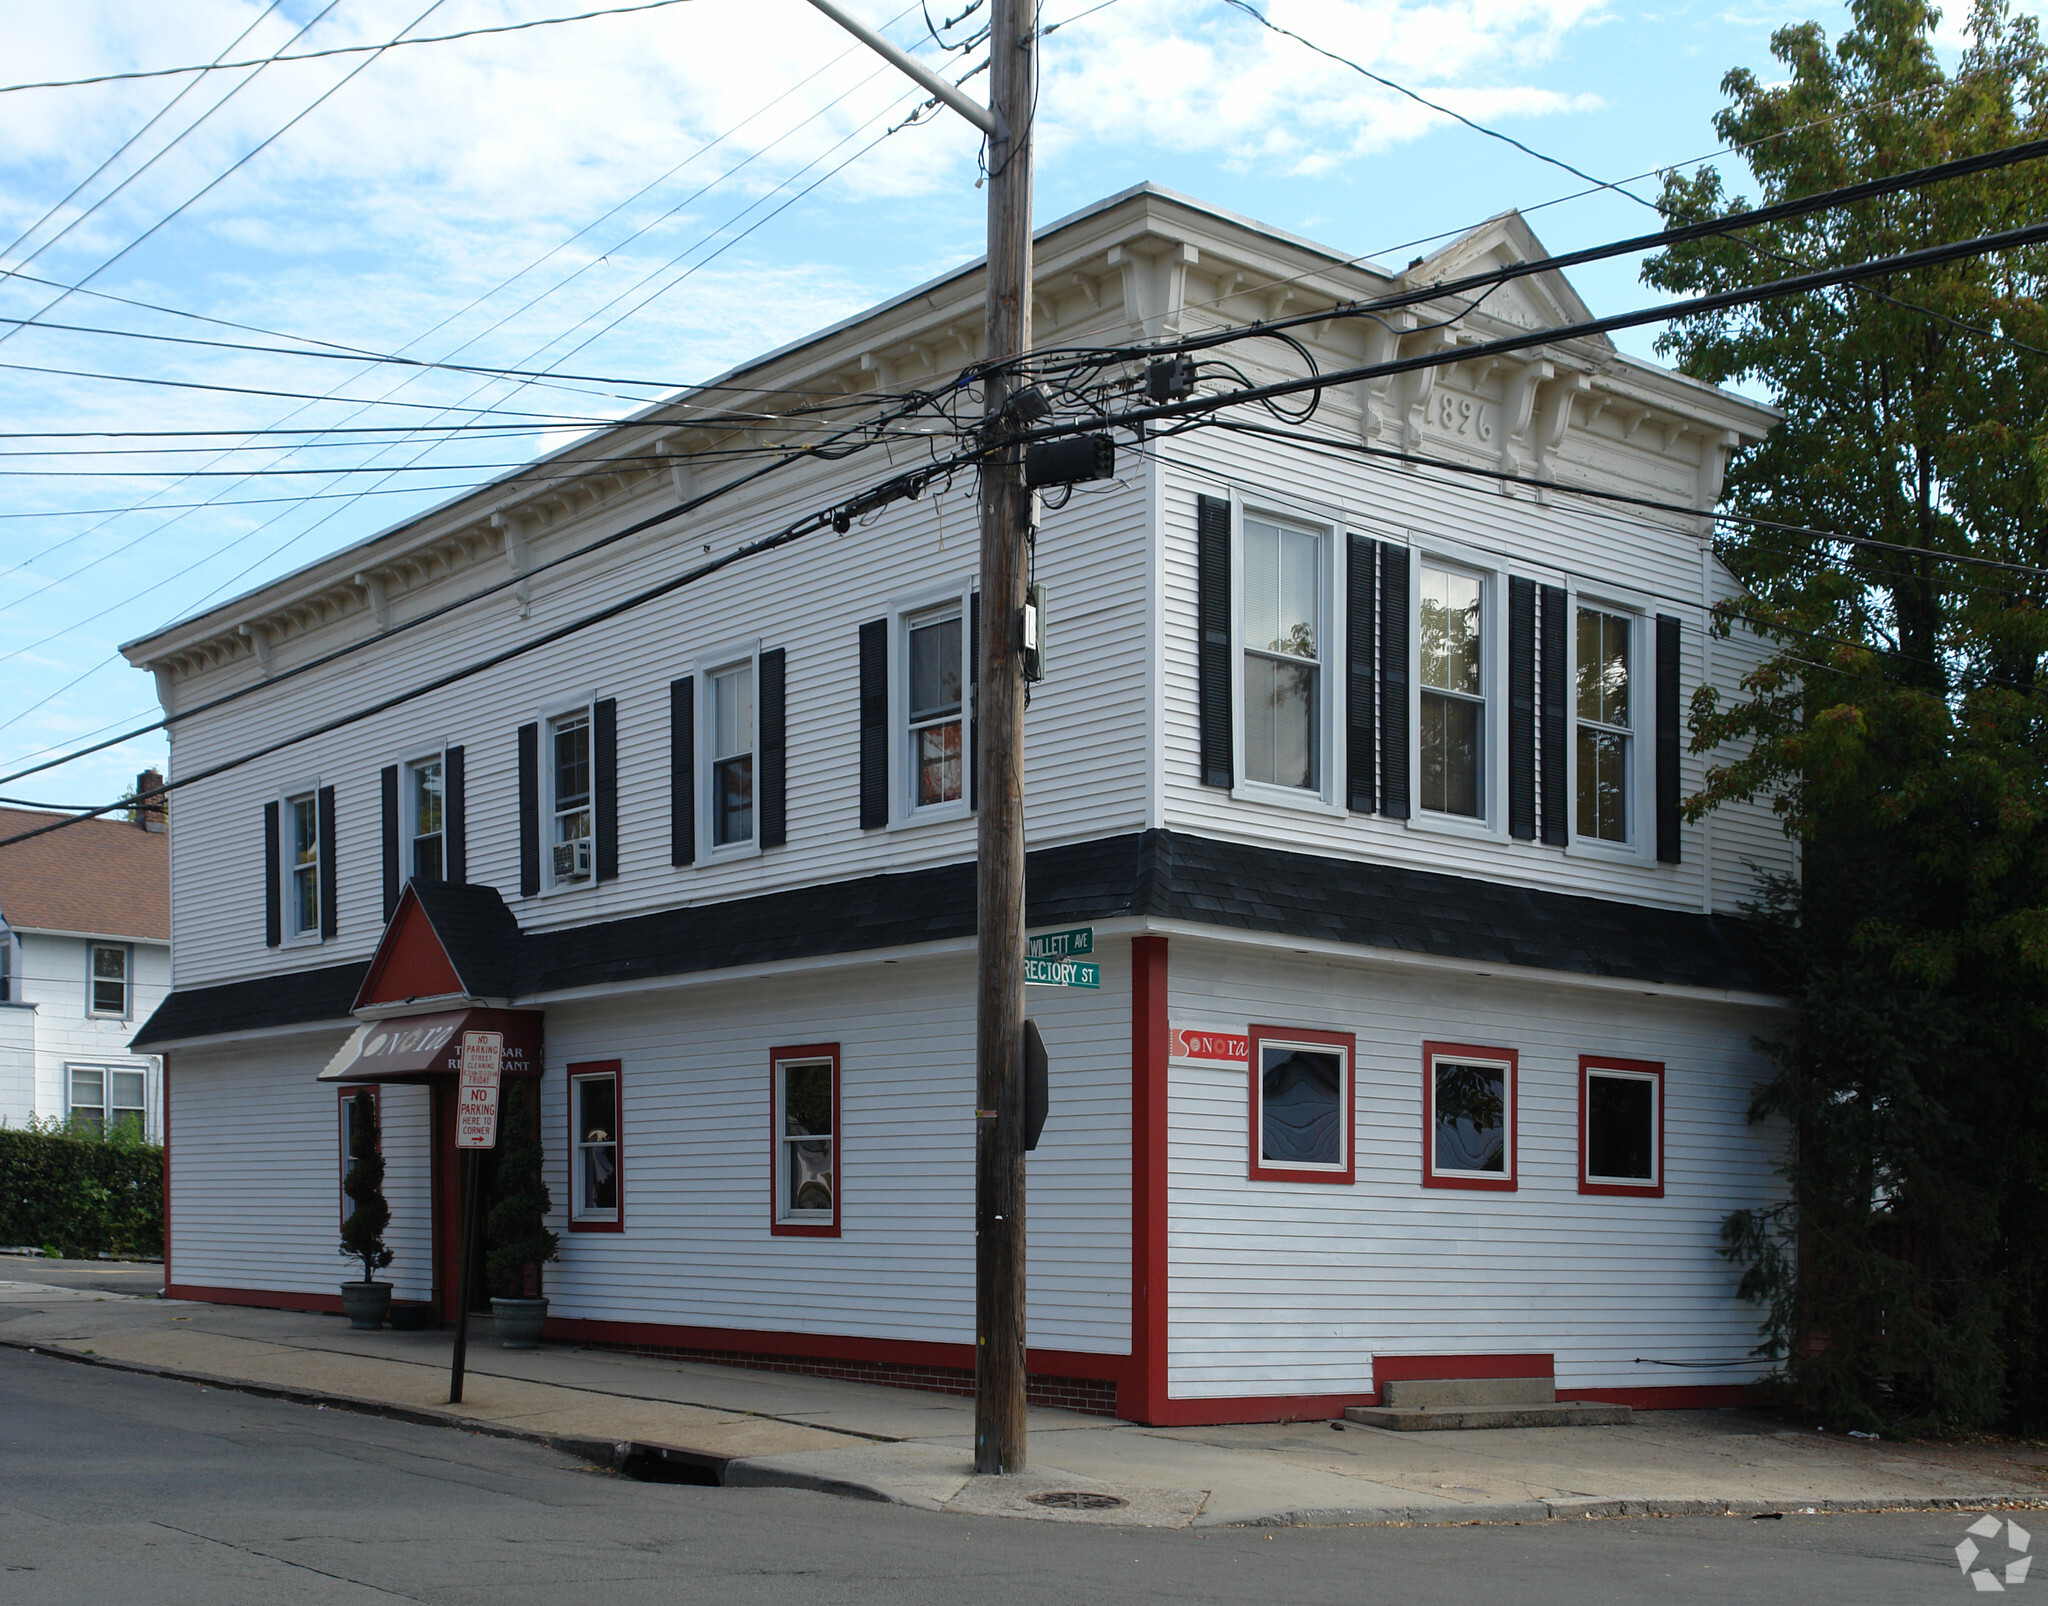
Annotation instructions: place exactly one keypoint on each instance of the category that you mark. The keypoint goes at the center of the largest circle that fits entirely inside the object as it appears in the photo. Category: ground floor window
(107, 1098)
(1621, 1127)
(358, 1134)
(1300, 1105)
(594, 1190)
(1468, 1116)
(806, 1157)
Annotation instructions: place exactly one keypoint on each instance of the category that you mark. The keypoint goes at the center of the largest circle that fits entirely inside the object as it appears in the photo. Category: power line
(338, 50)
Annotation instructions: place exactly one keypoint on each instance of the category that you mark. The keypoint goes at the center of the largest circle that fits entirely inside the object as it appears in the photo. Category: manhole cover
(1076, 1500)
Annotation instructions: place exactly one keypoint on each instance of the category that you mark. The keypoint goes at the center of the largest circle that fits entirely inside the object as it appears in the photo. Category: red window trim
(777, 1058)
(595, 1068)
(341, 1096)
(1654, 1069)
(1431, 1053)
(1347, 1104)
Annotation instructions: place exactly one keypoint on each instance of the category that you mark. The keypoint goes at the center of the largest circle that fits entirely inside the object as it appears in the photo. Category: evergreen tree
(516, 1231)
(1900, 725)
(362, 1235)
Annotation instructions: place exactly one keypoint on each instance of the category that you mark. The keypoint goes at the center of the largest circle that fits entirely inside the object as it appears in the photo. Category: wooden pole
(999, 721)
(470, 1168)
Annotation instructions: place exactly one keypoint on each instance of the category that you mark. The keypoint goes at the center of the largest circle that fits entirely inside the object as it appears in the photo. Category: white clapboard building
(1423, 1040)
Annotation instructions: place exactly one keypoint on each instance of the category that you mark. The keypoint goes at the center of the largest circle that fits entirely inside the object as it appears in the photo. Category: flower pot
(519, 1321)
(365, 1304)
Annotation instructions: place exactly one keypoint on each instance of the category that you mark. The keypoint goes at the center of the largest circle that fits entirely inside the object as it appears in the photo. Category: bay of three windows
(1286, 635)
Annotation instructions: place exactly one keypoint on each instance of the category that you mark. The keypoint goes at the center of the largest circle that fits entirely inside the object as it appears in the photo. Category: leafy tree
(516, 1230)
(1900, 724)
(362, 1235)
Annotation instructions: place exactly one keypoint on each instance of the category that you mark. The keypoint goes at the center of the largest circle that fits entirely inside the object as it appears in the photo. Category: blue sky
(652, 198)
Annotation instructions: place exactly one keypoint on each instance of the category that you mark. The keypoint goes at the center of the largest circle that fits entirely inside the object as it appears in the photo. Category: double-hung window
(108, 981)
(806, 1136)
(1469, 1103)
(302, 865)
(1605, 747)
(107, 1098)
(595, 1194)
(1301, 1128)
(1283, 659)
(426, 808)
(571, 819)
(935, 683)
(1452, 671)
(1621, 1127)
(731, 793)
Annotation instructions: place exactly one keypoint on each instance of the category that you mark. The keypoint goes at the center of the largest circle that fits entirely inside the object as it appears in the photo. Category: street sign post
(1062, 973)
(476, 1127)
(1070, 944)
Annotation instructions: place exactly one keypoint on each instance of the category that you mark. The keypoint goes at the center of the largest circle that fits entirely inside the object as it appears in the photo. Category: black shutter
(392, 880)
(273, 878)
(971, 735)
(328, 878)
(682, 770)
(1522, 709)
(773, 757)
(1360, 726)
(874, 724)
(1667, 739)
(1212, 636)
(454, 824)
(604, 784)
(529, 811)
(1393, 680)
(1556, 712)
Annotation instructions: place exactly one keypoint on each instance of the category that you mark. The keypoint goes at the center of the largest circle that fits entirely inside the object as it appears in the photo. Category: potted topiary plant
(362, 1235)
(516, 1232)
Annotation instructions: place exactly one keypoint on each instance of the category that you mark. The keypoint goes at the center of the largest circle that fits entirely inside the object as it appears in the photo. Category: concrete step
(1430, 1418)
(1412, 1392)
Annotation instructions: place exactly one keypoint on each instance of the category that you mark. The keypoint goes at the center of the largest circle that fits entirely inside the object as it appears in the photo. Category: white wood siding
(255, 1172)
(1086, 755)
(50, 974)
(1284, 1289)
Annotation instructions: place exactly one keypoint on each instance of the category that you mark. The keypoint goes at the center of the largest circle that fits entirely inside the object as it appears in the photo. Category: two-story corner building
(1423, 1039)
(85, 929)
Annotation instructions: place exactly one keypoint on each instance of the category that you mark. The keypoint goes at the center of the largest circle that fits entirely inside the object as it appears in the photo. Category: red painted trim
(1655, 1071)
(1259, 1170)
(1141, 1392)
(1414, 1368)
(1431, 1052)
(261, 1298)
(777, 1058)
(1328, 1407)
(341, 1097)
(595, 1068)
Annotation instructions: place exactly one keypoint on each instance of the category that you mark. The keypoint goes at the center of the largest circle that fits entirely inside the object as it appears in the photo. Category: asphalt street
(116, 1488)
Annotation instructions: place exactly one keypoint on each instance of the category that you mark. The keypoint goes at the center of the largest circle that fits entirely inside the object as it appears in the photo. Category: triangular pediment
(1544, 300)
(444, 941)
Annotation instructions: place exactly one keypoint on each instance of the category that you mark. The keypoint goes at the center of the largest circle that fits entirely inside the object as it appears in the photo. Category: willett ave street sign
(1050, 961)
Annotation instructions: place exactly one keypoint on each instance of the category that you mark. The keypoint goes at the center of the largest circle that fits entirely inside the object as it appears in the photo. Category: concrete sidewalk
(742, 1427)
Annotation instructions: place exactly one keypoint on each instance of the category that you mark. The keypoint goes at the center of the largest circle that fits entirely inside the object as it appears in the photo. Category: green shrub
(362, 1235)
(81, 1194)
(516, 1231)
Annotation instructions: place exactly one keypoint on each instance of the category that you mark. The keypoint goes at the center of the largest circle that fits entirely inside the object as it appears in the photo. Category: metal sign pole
(482, 1064)
(470, 1168)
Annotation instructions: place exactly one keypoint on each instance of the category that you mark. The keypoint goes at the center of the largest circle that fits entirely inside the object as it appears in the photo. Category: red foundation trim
(1328, 1407)
(261, 1298)
(1142, 1393)
(1411, 1368)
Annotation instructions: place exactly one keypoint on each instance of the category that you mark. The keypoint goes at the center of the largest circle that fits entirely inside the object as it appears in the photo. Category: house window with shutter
(426, 819)
(1284, 642)
(935, 680)
(571, 805)
(1604, 751)
(302, 879)
(1452, 727)
(729, 794)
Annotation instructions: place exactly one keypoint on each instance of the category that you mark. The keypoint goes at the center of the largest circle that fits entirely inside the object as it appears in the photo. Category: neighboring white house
(85, 958)
(1423, 1040)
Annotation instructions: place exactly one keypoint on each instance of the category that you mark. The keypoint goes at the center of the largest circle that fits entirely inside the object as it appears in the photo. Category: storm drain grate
(1076, 1500)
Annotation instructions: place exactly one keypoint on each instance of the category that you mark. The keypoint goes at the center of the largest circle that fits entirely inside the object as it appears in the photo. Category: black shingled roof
(1165, 874)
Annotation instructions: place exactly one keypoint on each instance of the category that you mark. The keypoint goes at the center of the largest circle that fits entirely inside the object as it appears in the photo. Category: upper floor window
(302, 866)
(732, 755)
(108, 980)
(1451, 668)
(1283, 655)
(1605, 724)
(935, 682)
(426, 801)
(571, 816)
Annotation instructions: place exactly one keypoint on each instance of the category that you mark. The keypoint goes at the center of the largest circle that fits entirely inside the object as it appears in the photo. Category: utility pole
(999, 727)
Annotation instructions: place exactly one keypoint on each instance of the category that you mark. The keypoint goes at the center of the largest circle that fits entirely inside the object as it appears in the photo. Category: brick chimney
(151, 813)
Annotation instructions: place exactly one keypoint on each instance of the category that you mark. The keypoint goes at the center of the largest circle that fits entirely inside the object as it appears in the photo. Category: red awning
(417, 1048)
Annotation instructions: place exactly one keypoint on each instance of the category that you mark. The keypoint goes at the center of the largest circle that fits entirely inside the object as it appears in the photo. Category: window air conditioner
(572, 860)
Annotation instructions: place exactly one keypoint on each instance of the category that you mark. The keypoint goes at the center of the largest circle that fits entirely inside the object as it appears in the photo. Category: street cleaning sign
(1051, 959)
(476, 1091)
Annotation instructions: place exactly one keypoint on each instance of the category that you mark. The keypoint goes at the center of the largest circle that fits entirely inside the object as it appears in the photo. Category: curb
(1529, 1511)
